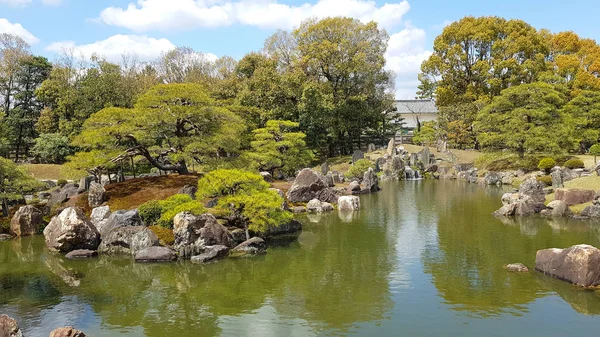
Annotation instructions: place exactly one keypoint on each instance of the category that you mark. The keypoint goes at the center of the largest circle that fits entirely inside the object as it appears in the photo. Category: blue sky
(235, 27)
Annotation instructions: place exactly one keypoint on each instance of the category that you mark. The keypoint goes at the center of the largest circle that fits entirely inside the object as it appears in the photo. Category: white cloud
(52, 2)
(18, 30)
(405, 54)
(116, 46)
(187, 14)
(15, 3)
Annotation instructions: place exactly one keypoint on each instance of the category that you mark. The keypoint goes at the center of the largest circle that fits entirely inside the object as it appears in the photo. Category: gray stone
(189, 190)
(211, 253)
(534, 189)
(592, 211)
(371, 181)
(267, 176)
(252, 246)
(156, 254)
(308, 186)
(391, 148)
(299, 209)
(493, 178)
(354, 186)
(357, 155)
(68, 331)
(578, 264)
(5, 237)
(314, 206)
(99, 216)
(96, 194)
(193, 233)
(557, 208)
(348, 203)
(371, 147)
(572, 196)
(9, 327)
(84, 184)
(516, 204)
(325, 168)
(517, 267)
(326, 207)
(27, 221)
(71, 230)
(238, 236)
(290, 227)
(424, 156)
(557, 179)
(81, 254)
(393, 168)
(127, 240)
(124, 218)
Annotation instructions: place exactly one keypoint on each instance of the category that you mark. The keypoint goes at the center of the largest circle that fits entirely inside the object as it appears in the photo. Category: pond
(422, 258)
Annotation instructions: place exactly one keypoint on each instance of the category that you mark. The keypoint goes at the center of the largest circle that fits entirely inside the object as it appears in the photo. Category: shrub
(61, 182)
(165, 235)
(547, 164)
(545, 179)
(52, 148)
(166, 219)
(595, 150)
(574, 163)
(359, 168)
(150, 212)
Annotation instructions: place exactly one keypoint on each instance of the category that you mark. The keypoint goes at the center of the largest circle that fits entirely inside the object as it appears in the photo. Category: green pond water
(421, 258)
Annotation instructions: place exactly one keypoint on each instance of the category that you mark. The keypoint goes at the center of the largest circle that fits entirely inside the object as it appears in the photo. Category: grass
(586, 183)
(45, 171)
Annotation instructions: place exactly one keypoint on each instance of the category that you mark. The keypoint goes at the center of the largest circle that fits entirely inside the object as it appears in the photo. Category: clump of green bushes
(358, 170)
(547, 164)
(545, 179)
(162, 212)
(61, 182)
(574, 163)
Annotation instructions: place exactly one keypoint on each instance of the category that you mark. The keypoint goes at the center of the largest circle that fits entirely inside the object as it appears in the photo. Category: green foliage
(162, 212)
(358, 170)
(545, 179)
(14, 182)
(426, 135)
(595, 150)
(584, 113)
(244, 199)
(168, 213)
(51, 148)
(574, 163)
(61, 182)
(278, 147)
(150, 211)
(165, 235)
(503, 161)
(547, 164)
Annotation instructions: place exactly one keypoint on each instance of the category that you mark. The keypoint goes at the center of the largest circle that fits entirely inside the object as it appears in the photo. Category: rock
(393, 168)
(354, 186)
(156, 254)
(325, 168)
(193, 233)
(9, 327)
(68, 331)
(238, 236)
(71, 230)
(127, 240)
(338, 178)
(314, 206)
(493, 178)
(212, 203)
(579, 264)
(327, 180)
(124, 218)
(211, 253)
(518, 267)
(326, 207)
(299, 209)
(267, 176)
(308, 186)
(81, 254)
(557, 179)
(557, 208)
(357, 155)
(5, 237)
(516, 204)
(371, 147)
(534, 189)
(96, 194)
(431, 168)
(189, 190)
(573, 196)
(371, 181)
(291, 227)
(349, 203)
(84, 184)
(592, 211)
(424, 156)
(391, 148)
(27, 221)
(252, 246)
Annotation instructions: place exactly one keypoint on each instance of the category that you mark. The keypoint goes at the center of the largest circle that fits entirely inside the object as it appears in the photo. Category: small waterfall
(410, 174)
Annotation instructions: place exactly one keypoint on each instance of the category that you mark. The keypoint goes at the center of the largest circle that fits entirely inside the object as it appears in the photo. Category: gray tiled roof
(410, 106)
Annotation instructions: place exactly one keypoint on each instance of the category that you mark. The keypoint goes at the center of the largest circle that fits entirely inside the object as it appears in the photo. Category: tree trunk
(132, 167)
(4, 207)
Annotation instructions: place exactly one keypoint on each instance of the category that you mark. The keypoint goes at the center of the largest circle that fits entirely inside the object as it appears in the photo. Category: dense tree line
(502, 84)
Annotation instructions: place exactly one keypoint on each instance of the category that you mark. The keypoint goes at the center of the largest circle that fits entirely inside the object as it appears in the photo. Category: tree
(244, 200)
(525, 119)
(595, 151)
(52, 148)
(14, 182)
(427, 135)
(170, 125)
(13, 50)
(584, 113)
(278, 147)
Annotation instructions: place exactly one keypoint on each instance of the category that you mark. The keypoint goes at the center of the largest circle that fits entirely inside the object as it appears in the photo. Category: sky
(148, 28)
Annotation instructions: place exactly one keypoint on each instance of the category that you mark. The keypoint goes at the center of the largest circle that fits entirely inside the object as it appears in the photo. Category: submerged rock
(128, 240)
(349, 203)
(81, 254)
(299, 209)
(156, 254)
(68, 331)
(316, 206)
(71, 230)
(193, 233)
(578, 264)
(518, 267)
(211, 253)
(252, 246)
(291, 227)
(307, 186)
(9, 327)
(27, 221)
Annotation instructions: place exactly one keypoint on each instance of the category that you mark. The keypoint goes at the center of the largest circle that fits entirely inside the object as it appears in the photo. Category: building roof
(415, 106)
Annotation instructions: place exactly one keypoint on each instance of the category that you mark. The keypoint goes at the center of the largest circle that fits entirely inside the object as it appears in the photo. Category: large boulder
(193, 233)
(68, 331)
(354, 186)
(424, 156)
(573, 196)
(579, 264)
(357, 155)
(534, 189)
(123, 218)
(9, 327)
(493, 178)
(96, 194)
(290, 227)
(307, 186)
(316, 206)
(348, 203)
(557, 208)
(325, 168)
(156, 254)
(99, 216)
(391, 148)
(26, 221)
(393, 168)
(84, 184)
(189, 190)
(592, 211)
(128, 240)
(71, 230)
(557, 178)
(267, 176)
(371, 181)
(211, 253)
(253, 246)
(516, 204)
